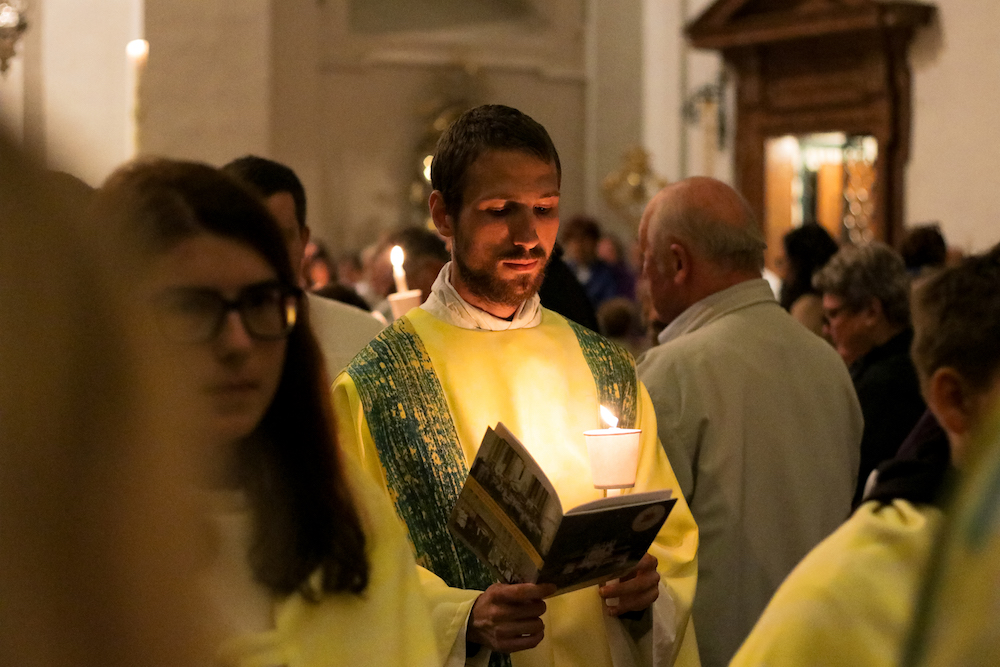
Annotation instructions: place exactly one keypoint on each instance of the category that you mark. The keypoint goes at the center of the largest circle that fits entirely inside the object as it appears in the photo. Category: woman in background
(308, 565)
(807, 250)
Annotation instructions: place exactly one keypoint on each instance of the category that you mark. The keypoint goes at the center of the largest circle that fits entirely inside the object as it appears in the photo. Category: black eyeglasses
(268, 311)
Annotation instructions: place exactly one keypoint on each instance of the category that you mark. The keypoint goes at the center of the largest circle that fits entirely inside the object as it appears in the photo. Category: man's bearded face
(506, 229)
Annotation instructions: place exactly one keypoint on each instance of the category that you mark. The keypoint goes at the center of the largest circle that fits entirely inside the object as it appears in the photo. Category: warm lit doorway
(826, 178)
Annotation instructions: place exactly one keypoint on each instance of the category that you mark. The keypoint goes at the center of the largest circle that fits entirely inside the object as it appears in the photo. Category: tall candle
(614, 454)
(398, 274)
(138, 53)
(614, 460)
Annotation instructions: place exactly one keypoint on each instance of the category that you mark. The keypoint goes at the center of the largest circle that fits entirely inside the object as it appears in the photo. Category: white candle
(398, 274)
(614, 454)
(614, 460)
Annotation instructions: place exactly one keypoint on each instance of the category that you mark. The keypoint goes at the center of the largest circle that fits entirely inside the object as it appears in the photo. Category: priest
(417, 401)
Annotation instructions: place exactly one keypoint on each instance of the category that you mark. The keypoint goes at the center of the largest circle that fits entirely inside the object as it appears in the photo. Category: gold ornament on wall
(628, 189)
(12, 26)
(454, 91)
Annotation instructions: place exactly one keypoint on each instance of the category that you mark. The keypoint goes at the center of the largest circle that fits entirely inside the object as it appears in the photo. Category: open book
(510, 516)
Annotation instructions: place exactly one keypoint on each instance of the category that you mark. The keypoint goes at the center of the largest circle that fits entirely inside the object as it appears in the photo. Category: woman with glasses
(305, 564)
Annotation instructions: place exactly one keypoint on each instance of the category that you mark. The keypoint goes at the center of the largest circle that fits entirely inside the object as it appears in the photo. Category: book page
(508, 512)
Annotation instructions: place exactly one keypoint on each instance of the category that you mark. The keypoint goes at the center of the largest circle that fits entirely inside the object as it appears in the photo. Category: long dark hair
(304, 518)
(807, 250)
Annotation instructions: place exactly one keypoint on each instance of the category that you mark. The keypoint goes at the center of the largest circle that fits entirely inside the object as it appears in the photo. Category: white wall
(954, 169)
(206, 92)
(663, 51)
(377, 88)
(371, 126)
(615, 100)
(74, 97)
(278, 79)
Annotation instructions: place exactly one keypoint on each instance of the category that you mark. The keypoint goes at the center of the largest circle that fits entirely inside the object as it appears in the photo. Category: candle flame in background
(608, 417)
(396, 256)
(137, 49)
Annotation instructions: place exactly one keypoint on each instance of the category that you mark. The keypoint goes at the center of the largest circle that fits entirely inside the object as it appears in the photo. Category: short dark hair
(924, 246)
(267, 178)
(957, 320)
(582, 227)
(491, 127)
(419, 243)
(304, 519)
(807, 250)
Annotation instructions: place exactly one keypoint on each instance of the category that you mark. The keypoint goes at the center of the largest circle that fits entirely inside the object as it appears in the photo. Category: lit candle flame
(609, 418)
(398, 274)
(137, 49)
(396, 256)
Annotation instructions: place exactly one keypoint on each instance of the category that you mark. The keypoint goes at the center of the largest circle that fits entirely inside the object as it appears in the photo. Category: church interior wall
(954, 172)
(371, 128)
(293, 80)
(380, 87)
(206, 89)
(71, 102)
(615, 101)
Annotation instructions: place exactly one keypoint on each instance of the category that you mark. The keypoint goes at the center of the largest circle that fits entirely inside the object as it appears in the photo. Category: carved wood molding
(819, 66)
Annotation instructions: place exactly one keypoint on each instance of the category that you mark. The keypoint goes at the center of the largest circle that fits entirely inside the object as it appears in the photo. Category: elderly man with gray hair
(757, 414)
(866, 304)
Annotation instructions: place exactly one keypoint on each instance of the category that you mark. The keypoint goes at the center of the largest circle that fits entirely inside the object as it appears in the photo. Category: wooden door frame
(870, 96)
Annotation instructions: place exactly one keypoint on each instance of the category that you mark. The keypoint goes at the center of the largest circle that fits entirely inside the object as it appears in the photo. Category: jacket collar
(711, 308)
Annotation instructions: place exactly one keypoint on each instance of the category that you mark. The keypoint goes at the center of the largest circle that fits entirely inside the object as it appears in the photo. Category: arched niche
(812, 73)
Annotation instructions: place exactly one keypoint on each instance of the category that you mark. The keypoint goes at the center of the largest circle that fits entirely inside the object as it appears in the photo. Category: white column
(663, 44)
(591, 195)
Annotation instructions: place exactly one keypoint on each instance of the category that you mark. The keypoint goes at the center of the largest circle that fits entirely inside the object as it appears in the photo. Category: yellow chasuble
(386, 626)
(850, 601)
(956, 621)
(538, 383)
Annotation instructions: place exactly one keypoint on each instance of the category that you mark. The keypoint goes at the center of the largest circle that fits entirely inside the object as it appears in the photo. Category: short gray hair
(736, 247)
(858, 274)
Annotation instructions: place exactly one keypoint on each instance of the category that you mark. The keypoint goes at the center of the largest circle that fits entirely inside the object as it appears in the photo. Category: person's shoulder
(893, 374)
(684, 351)
(875, 539)
(326, 313)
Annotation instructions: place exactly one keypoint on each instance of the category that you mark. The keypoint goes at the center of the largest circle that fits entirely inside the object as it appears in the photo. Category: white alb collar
(446, 304)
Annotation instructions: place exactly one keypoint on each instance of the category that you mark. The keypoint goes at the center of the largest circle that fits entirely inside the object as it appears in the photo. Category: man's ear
(680, 260)
(304, 234)
(873, 312)
(951, 400)
(439, 214)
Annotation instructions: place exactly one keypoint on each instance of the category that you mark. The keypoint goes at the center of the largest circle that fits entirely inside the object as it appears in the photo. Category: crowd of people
(218, 451)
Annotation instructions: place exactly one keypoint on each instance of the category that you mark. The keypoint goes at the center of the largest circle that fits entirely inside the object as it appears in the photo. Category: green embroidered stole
(417, 443)
(418, 446)
(614, 372)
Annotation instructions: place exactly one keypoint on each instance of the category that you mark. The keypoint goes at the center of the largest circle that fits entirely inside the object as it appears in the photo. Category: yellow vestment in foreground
(388, 625)
(850, 601)
(538, 383)
(956, 621)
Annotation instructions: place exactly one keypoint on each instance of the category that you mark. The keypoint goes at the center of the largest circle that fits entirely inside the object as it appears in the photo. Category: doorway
(825, 178)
